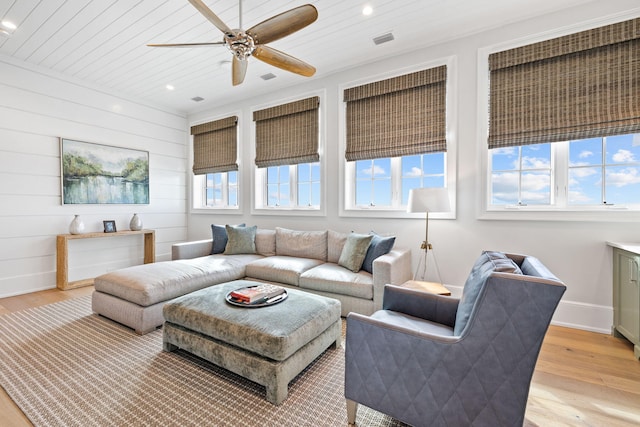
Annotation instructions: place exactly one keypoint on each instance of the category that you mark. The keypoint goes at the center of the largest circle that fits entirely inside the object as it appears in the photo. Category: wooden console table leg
(62, 263)
(150, 247)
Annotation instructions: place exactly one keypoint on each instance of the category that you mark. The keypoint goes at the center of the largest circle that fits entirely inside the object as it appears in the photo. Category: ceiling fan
(252, 42)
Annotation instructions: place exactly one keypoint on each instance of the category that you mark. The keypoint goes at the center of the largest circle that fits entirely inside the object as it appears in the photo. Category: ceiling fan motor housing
(240, 44)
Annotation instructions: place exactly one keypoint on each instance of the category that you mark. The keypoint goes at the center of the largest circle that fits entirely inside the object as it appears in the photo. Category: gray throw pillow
(379, 246)
(219, 234)
(241, 240)
(354, 251)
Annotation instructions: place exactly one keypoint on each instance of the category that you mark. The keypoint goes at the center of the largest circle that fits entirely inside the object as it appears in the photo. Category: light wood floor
(581, 378)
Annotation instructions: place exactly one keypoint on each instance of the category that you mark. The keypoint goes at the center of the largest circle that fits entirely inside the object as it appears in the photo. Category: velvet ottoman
(268, 345)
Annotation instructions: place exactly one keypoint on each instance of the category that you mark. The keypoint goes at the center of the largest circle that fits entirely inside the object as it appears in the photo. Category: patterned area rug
(65, 366)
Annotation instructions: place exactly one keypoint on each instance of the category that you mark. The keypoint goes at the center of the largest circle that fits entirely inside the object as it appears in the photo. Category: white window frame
(259, 175)
(346, 188)
(560, 172)
(197, 190)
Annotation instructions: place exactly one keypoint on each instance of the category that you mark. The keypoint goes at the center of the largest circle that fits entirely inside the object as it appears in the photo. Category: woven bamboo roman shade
(287, 134)
(578, 86)
(215, 146)
(400, 116)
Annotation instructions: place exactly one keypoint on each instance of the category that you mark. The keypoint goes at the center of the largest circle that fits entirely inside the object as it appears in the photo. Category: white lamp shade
(428, 200)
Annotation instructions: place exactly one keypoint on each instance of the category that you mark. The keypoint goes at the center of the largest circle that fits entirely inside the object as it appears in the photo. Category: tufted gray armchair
(432, 360)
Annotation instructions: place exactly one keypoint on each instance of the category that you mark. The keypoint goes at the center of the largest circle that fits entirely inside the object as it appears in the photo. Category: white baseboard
(589, 317)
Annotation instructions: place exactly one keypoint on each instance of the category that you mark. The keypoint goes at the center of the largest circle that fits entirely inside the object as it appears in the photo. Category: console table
(62, 254)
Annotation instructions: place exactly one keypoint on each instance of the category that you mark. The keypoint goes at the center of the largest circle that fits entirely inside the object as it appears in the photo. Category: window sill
(217, 210)
(289, 212)
(392, 213)
(599, 214)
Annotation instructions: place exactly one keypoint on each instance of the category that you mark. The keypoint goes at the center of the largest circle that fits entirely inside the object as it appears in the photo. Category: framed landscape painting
(102, 174)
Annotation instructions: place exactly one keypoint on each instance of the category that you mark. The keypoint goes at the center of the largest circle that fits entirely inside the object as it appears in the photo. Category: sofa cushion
(302, 244)
(148, 284)
(379, 246)
(219, 234)
(266, 242)
(335, 243)
(486, 264)
(354, 251)
(335, 279)
(280, 269)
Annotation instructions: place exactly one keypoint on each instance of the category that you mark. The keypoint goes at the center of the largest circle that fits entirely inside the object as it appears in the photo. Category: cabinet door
(627, 308)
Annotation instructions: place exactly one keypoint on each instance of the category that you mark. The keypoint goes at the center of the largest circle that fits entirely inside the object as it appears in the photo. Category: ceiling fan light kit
(252, 42)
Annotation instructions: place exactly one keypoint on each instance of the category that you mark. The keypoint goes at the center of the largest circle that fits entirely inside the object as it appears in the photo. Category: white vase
(76, 226)
(136, 223)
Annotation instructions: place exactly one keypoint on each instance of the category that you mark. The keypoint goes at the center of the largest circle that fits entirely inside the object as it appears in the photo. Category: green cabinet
(626, 296)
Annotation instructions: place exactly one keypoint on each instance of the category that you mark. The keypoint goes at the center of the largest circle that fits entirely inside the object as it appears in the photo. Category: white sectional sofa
(307, 260)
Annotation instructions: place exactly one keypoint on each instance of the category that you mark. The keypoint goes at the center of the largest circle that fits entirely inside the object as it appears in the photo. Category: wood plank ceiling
(101, 43)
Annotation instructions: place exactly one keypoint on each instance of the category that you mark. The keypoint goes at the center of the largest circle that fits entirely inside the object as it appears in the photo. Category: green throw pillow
(354, 251)
(219, 235)
(240, 240)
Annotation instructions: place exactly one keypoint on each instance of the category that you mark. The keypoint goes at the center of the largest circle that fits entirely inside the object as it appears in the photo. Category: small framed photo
(109, 226)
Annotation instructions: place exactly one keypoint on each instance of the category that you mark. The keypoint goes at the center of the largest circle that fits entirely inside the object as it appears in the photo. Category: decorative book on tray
(257, 294)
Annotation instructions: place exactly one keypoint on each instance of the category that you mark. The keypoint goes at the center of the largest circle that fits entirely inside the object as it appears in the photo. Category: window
(385, 183)
(215, 164)
(395, 139)
(426, 170)
(605, 171)
(585, 173)
(309, 184)
(221, 189)
(521, 175)
(304, 179)
(288, 167)
(564, 121)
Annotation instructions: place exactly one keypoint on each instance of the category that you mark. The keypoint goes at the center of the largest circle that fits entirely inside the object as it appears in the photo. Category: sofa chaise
(314, 261)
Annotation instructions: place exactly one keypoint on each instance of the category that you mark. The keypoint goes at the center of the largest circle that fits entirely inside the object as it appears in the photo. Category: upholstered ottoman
(268, 345)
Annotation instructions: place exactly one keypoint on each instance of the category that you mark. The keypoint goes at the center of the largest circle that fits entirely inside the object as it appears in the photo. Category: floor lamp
(428, 200)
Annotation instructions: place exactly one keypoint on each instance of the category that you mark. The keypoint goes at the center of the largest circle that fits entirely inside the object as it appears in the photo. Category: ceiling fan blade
(186, 44)
(282, 60)
(212, 17)
(283, 24)
(238, 69)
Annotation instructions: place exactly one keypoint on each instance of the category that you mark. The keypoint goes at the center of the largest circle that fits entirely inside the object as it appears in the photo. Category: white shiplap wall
(36, 108)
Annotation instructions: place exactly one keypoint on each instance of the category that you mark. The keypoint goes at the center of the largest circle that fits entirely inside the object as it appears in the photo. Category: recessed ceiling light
(9, 25)
(367, 10)
(170, 87)
(197, 99)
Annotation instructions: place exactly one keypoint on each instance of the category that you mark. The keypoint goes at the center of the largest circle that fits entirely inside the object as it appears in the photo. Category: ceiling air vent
(197, 99)
(383, 38)
(268, 76)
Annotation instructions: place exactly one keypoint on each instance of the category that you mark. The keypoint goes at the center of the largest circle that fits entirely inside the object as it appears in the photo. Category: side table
(432, 287)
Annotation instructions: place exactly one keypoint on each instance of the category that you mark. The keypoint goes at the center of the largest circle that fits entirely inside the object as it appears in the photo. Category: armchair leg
(352, 408)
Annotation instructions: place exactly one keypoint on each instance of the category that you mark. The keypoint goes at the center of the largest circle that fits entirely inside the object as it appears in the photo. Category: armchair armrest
(188, 250)
(435, 308)
(361, 328)
(393, 268)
